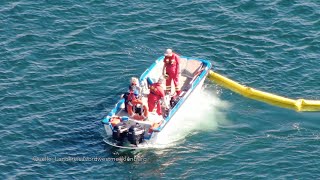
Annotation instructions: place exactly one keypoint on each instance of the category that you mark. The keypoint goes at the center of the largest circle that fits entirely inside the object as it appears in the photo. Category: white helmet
(168, 52)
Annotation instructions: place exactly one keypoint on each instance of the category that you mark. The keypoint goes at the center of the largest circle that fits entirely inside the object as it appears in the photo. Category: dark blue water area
(64, 64)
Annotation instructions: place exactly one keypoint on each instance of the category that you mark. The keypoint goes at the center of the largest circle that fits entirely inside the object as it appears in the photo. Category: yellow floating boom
(298, 105)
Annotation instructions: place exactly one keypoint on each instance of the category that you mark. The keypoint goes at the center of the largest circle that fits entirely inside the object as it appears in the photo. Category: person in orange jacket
(171, 70)
(157, 95)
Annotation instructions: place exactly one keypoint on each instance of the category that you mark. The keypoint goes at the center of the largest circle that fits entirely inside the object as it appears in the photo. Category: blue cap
(149, 81)
(124, 118)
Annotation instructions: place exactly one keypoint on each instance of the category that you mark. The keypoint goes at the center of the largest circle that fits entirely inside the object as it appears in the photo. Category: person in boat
(134, 106)
(156, 95)
(130, 96)
(133, 92)
(134, 85)
(171, 70)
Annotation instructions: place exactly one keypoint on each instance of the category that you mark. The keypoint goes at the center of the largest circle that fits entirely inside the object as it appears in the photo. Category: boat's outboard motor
(136, 134)
(120, 131)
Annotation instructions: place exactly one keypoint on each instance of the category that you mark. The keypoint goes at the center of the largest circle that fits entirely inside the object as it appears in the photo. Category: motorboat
(128, 130)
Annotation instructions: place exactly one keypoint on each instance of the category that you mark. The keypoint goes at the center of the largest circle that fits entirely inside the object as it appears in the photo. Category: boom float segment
(298, 105)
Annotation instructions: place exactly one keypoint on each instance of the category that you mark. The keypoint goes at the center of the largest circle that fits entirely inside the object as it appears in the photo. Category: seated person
(134, 85)
(130, 96)
(133, 92)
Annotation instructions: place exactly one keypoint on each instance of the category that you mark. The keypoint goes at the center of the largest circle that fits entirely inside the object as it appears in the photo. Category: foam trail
(204, 111)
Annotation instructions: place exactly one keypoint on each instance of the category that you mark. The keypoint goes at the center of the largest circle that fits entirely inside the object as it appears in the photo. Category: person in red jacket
(171, 70)
(156, 95)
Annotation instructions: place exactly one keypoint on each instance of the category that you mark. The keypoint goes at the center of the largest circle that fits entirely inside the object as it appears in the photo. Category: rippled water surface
(64, 64)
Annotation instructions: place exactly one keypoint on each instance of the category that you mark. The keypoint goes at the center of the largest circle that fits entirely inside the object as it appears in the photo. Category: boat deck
(189, 69)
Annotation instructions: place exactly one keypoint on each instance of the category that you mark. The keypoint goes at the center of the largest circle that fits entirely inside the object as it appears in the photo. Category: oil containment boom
(298, 105)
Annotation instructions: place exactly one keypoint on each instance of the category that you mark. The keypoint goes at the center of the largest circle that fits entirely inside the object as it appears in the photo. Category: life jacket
(170, 60)
(129, 97)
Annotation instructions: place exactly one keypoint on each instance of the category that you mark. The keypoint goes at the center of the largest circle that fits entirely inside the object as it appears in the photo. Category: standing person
(156, 94)
(171, 70)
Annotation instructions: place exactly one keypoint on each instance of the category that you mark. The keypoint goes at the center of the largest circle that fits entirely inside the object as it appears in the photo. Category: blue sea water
(64, 64)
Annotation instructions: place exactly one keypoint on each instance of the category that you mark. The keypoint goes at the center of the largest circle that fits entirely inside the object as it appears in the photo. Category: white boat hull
(160, 137)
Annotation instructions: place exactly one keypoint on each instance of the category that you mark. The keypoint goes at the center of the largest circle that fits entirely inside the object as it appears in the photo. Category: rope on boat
(298, 105)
